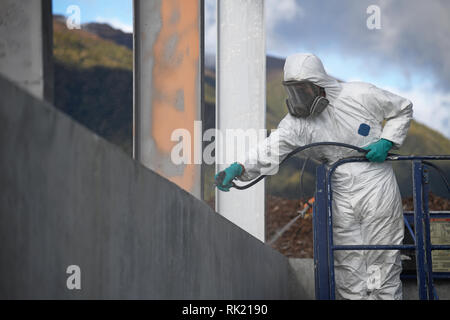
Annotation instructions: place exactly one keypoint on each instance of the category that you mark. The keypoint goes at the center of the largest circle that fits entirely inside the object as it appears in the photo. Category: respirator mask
(304, 98)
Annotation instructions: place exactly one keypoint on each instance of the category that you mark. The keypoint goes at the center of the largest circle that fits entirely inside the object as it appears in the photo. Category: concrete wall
(410, 292)
(68, 197)
(26, 45)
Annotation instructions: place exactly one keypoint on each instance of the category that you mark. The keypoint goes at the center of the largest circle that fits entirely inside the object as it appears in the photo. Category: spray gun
(301, 214)
(306, 208)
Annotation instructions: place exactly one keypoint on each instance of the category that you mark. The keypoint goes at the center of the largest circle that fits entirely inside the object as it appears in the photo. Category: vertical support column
(320, 237)
(426, 216)
(417, 173)
(240, 102)
(26, 45)
(168, 68)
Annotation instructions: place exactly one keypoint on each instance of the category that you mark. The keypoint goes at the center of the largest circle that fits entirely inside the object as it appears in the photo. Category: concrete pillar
(168, 89)
(240, 99)
(26, 45)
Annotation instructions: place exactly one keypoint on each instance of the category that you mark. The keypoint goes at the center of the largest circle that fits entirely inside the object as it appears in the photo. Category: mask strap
(315, 104)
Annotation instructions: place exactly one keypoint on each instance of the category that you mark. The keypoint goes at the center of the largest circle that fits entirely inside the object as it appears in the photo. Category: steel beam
(168, 88)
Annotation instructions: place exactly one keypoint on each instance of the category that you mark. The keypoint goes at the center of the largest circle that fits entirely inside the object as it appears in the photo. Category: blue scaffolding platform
(323, 228)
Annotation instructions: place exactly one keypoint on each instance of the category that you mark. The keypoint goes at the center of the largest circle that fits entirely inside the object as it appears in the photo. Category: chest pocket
(364, 129)
(367, 133)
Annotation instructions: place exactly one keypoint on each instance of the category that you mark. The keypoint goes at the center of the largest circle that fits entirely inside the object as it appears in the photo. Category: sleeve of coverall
(397, 111)
(267, 155)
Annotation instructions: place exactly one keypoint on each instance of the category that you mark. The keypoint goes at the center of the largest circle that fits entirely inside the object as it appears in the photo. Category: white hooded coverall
(367, 206)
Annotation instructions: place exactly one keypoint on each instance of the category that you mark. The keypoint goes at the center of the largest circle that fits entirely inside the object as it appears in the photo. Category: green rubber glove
(223, 178)
(378, 151)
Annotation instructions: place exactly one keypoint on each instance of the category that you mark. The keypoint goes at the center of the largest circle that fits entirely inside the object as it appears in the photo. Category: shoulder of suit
(290, 122)
(357, 89)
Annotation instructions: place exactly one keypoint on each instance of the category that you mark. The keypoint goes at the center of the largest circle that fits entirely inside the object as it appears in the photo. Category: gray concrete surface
(410, 292)
(26, 45)
(303, 284)
(303, 278)
(68, 197)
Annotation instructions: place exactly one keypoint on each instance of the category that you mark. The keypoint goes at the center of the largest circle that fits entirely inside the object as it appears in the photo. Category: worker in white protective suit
(367, 207)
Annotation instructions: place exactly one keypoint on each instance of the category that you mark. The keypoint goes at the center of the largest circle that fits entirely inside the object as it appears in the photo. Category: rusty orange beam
(168, 85)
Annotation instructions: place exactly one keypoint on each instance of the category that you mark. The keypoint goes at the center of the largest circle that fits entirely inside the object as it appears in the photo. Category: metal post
(331, 245)
(168, 90)
(320, 236)
(417, 171)
(240, 103)
(428, 255)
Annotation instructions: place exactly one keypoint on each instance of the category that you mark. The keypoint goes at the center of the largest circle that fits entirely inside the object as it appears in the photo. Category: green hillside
(94, 83)
(83, 49)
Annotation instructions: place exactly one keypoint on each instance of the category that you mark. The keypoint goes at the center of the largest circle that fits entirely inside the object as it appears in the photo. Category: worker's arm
(397, 111)
(265, 158)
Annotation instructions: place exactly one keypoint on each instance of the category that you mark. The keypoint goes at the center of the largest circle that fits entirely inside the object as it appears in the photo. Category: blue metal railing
(323, 229)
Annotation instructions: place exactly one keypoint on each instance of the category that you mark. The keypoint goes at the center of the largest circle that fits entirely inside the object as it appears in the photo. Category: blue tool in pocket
(364, 129)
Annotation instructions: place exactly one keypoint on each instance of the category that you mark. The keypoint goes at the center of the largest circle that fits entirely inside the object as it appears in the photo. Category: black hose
(338, 144)
(297, 150)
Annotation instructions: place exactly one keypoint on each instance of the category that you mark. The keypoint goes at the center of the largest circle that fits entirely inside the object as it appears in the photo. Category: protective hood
(306, 66)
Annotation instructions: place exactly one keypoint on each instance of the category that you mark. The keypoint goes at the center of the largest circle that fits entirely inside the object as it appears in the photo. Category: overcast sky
(408, 55)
